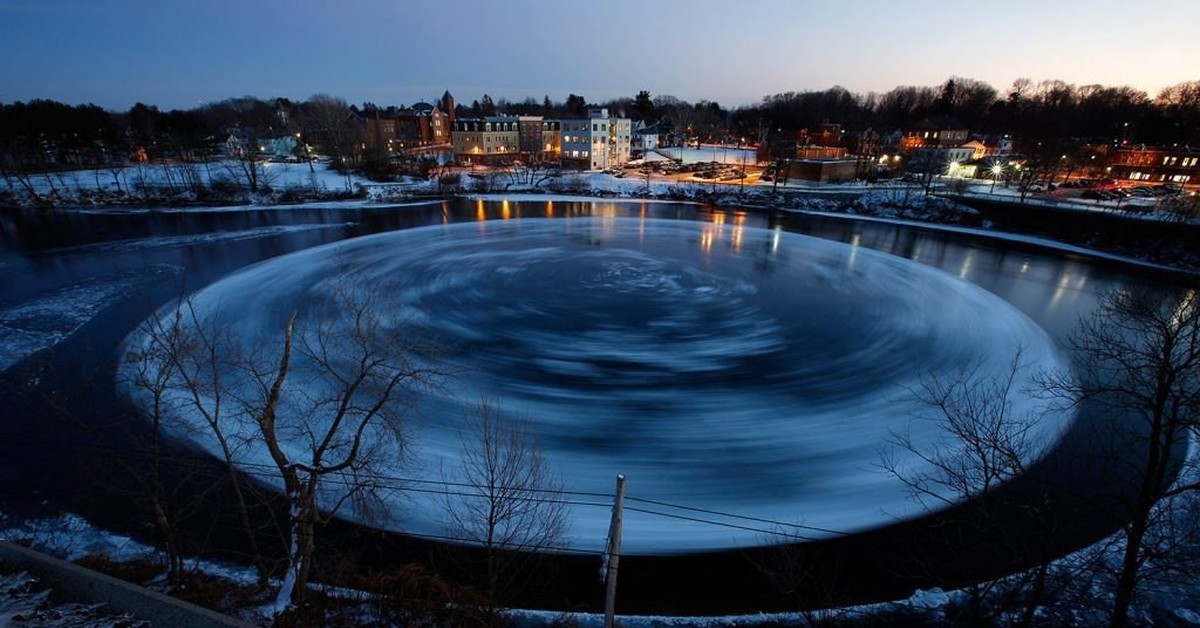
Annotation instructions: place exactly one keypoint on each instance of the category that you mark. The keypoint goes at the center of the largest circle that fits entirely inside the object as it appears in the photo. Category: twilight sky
(183, 53)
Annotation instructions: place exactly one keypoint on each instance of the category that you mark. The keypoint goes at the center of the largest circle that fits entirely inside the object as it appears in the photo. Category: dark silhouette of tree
(576, 106)
(1138, 359)
(984, 440)
(508, 503)
(643, 106)
(486, 106)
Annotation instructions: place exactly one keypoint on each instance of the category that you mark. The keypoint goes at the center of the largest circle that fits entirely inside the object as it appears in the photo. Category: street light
(996, 170)
(742, 156)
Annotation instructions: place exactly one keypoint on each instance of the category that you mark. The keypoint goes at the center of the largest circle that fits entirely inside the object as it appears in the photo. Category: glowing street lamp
(742, 181)
(996, 170)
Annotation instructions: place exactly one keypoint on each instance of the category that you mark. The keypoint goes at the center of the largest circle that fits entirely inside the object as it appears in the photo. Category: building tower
(447, 105)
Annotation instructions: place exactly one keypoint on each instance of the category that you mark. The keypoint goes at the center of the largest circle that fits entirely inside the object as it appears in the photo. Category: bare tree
(329, 412)
(984, 439)
(507, 501)
(326, 119)
(323, 405)
(793, 572)
(152, 374)
(1139, 361)
(927, 164)
(532, 172)
(248, 166)
(176, 372)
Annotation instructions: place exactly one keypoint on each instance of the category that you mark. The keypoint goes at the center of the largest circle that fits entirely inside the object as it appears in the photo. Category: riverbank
(1148, 233)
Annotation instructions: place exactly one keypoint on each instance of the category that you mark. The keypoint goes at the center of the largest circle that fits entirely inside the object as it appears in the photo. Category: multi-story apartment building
(540, 138)
(486, 140)
(597, 142)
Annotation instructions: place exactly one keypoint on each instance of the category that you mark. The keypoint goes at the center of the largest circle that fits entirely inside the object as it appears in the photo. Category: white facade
(599, 141)
(645, 137)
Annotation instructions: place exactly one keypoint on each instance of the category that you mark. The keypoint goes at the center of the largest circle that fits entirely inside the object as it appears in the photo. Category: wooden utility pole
(613, 552)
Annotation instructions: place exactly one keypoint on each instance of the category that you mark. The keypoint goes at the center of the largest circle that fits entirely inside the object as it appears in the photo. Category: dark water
(723, 363)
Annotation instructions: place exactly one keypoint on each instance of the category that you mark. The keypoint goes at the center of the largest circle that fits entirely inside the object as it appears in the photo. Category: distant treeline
(43, 134)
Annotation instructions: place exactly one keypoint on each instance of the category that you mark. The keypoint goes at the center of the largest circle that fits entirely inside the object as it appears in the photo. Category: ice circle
(736, 376)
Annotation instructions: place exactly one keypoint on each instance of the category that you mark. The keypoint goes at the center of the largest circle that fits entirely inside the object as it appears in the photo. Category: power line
(735, 516)
(710, 522)
(265, 471)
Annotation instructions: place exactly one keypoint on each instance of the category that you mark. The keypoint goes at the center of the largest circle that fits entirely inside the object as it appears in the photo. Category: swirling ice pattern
(738, 370)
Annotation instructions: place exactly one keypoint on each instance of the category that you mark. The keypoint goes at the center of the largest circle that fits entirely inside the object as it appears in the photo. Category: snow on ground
(24, 603)
(985, 191)
(874, 204)
(70, 537)
(712, 152)
(179, 175)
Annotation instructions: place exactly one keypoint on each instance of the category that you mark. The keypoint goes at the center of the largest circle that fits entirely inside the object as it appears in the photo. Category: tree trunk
(306, 528)
(1037, 591)
(1128, 578)
(285, 598)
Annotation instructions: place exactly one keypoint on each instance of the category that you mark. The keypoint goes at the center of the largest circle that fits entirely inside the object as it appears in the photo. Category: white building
(645, 137)
(598, 141)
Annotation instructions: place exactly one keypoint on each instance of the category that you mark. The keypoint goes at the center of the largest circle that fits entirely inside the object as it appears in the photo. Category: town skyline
(180, 56)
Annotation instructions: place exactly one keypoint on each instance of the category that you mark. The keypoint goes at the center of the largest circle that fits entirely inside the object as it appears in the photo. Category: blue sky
(182, 53)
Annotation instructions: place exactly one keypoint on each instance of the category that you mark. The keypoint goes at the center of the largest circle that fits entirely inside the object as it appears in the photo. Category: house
(983, 147)
(979, 150)
(940, 160)
(940, 132)
(645, 137)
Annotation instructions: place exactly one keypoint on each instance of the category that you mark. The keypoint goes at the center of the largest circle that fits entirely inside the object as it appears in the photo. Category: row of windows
(1148, 176)
(1186, 162)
